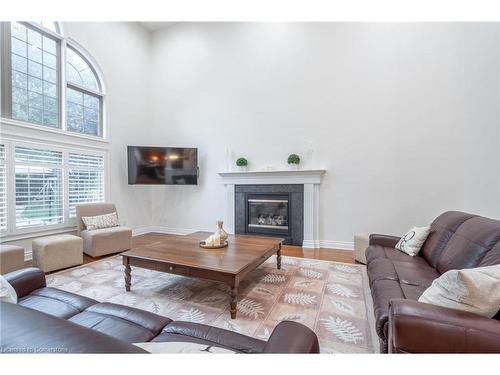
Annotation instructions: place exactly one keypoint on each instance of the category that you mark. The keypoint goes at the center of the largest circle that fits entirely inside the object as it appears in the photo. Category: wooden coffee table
(182, 255)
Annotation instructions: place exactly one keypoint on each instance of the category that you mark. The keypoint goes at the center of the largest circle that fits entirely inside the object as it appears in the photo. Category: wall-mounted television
(162, 165)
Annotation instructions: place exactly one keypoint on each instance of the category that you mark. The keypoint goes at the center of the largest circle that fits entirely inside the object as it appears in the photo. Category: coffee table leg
(278, 257)
(234, 293)
(128, 276)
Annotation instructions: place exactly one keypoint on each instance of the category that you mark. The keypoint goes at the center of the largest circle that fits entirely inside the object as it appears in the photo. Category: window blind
(39, 192)
(86, 180)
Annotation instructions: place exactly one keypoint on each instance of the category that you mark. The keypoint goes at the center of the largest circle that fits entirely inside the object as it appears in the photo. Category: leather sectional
(51, 320)
(457, 240)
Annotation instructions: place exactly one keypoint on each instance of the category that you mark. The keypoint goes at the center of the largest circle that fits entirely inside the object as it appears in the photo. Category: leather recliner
(457, 240)
(49, 320)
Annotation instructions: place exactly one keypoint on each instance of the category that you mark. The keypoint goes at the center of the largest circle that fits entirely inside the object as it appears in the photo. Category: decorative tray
(224, 244)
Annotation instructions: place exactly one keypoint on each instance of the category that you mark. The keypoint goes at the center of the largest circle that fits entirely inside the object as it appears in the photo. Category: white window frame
(63, 44)
(68, 224)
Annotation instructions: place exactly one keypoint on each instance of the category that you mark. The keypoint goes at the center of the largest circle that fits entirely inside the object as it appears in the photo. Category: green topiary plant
(242, 162)
(293, 159)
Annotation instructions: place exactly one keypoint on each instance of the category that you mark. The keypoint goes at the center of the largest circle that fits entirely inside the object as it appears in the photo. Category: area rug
(331, 298)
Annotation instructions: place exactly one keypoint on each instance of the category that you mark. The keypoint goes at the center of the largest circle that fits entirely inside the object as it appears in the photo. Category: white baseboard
(340, 245)
(164, 230)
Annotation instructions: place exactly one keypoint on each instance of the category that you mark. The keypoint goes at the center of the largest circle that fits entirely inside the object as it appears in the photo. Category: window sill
(35, 234)
(47, 129)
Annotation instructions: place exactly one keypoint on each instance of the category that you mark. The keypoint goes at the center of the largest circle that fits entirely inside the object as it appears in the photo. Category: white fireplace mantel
(310, 178)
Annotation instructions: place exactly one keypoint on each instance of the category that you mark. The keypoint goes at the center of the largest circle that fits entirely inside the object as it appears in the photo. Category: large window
(47, 185)
(49, 81)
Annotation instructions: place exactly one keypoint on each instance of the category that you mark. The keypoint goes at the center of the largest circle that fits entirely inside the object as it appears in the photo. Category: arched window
(37, 90)
(83, 95)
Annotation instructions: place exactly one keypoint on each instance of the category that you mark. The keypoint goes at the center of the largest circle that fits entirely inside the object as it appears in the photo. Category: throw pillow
(476, 290)
(101, 221)
(7, 292)
(181, 347)
(413, 240)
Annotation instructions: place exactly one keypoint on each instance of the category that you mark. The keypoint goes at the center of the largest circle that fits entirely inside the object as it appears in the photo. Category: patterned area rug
(331, 298)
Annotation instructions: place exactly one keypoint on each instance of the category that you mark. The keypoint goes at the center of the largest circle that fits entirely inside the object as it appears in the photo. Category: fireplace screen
(266, 214)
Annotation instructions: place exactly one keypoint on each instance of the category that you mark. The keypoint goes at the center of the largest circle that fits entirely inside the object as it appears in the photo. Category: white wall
(122, 50)
(403, 116)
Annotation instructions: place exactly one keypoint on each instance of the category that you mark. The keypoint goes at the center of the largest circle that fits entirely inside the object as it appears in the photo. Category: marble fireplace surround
(310, 178)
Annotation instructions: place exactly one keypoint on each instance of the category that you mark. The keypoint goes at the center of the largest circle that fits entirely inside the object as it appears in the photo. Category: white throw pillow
(7, 292)
(181, 347)
(413, 240)
(101, 221)
(476, 290)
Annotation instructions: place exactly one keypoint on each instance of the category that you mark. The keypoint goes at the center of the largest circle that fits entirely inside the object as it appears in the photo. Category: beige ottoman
(11, 258)
(361, 242)
(57, 252)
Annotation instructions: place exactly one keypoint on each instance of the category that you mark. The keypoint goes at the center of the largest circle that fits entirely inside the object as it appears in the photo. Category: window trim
(68, 224)
(63, 43)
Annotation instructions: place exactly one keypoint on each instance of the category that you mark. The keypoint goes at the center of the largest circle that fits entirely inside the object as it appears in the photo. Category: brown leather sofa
(49, 320)
(457, 240)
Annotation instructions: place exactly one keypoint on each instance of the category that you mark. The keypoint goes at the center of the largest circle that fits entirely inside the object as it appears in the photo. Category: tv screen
(162, 165)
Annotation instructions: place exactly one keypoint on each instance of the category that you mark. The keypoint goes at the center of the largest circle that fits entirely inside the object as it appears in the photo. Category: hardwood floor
(344, 256)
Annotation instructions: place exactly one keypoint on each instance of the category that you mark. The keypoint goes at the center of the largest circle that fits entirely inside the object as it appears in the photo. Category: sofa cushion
(412, 241)
(182, 347)
(101, 221)
(202, 334)
(492, 257)
(24, 330)
(410, 270)
(376, 251)
(7, 292)
(442, 229)
(122, 322)
(476, 290)
(470, 243)
(415, 273)
(56, 302)
(106, 241)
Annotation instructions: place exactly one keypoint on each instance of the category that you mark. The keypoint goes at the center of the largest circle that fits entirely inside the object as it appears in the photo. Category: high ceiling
(154, 26)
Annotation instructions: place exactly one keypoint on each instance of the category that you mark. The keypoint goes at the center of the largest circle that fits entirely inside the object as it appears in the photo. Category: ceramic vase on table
(221, 232)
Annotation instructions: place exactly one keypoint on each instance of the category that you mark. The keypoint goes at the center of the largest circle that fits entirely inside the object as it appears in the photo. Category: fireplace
(270, 210)
(267, 213)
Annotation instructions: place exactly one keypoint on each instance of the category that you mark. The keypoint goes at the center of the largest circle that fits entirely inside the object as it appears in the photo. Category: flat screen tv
(162, 165)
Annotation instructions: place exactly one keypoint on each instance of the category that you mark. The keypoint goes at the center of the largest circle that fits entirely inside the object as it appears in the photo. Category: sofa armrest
(26, 280)
(292, 337)
(384, 240)
(416, 327)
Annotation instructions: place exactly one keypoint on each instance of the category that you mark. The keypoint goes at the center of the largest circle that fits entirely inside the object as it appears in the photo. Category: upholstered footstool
(57, 252)
(11, 258)
(361, 242)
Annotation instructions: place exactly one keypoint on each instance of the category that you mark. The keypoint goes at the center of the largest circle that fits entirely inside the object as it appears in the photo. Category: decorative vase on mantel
(221, 232)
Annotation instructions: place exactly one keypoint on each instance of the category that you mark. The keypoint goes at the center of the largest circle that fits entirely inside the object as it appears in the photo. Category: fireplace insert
(270, 210)
(267, 214)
